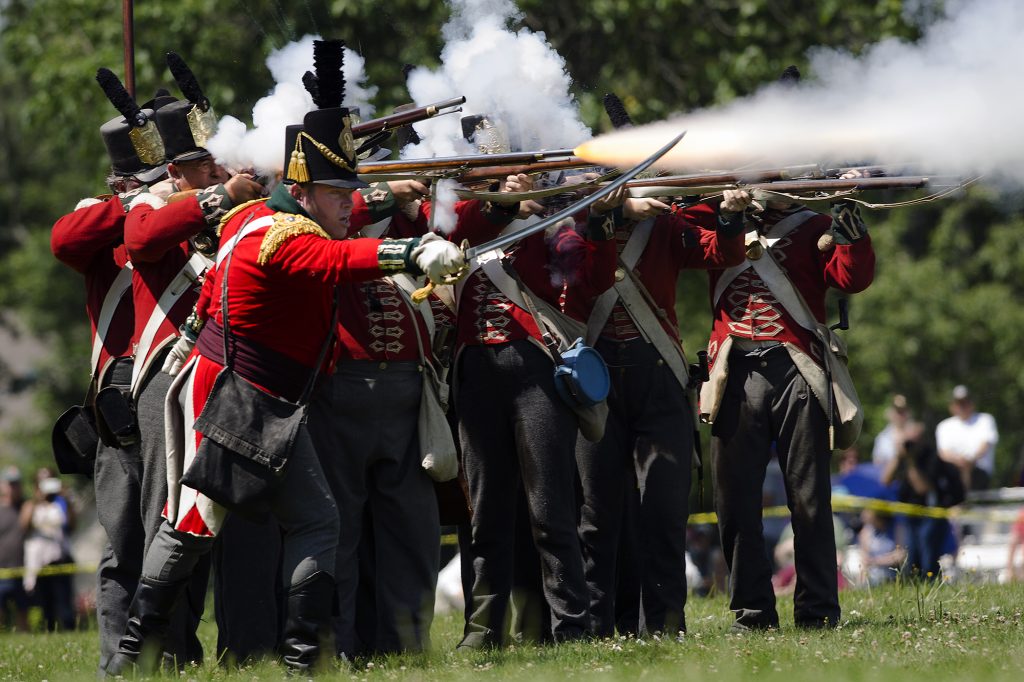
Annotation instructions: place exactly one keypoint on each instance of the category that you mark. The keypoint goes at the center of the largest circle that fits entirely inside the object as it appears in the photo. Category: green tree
(939, 313)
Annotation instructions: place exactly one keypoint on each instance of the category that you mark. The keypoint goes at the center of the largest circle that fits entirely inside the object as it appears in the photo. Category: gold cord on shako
(298, 169)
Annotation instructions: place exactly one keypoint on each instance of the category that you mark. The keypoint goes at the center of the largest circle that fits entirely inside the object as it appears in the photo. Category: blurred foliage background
(942, 310)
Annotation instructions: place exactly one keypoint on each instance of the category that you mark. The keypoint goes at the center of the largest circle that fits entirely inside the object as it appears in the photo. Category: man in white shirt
(968, 440)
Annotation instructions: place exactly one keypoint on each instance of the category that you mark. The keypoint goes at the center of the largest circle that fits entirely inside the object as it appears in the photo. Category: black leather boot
(149, 617)
(308, 621)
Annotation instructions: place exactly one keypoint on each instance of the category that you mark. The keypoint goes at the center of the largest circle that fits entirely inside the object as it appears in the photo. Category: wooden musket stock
(455, 162)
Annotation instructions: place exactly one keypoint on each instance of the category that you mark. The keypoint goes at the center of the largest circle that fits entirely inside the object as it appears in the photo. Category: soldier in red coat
(648, 443)
(170, 247)
(771, 389)
(284, 258)
(90, 240)
(364, 425)
(514, 428)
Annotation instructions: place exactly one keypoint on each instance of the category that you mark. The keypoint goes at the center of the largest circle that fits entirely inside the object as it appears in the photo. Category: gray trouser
(181, 642)
(514, 427)
(766, 402)
(364, 424)
(646, 451)
(304, 507)
(117, 479)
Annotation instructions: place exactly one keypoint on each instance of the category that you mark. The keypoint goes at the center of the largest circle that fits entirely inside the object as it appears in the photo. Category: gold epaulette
(286, 226)
(235, 211)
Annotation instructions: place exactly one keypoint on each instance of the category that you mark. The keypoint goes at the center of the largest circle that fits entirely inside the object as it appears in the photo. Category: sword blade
(502, 242)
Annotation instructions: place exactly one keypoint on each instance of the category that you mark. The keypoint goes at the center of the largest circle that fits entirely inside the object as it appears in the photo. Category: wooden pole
(128, 16)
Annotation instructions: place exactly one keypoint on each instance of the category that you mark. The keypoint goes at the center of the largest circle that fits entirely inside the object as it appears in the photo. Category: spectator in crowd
(886, 442)
(45, 520)
(704, 550)
(880, 556)
(849, 459)
(12, 476)
(12, 555)
(924, 479)
(784, 580)
(61, 499)
(1015, 568)
(968, 440)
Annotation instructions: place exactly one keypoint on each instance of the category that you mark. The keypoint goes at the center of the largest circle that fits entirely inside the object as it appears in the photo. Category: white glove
(438, 258)
(178, 356)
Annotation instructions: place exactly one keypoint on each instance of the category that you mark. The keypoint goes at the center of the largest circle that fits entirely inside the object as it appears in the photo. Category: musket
(805, 171)
(399, 119)
(128, 34)
(486, 174)
(421, 294)
(457, 162)
(692, 185)
(574, 208)
(671, 186)
(501, 172)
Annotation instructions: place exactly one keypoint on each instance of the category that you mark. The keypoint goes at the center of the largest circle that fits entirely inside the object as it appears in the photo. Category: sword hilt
(421, 294)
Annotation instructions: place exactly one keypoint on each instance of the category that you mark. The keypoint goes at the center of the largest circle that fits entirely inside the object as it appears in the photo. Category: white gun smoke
(949, 103)
(262, 147)
(443, 208)
(514, 76)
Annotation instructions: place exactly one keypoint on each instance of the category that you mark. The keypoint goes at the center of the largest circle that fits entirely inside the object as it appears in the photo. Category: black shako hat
(322, 149)
(790, 76)
(132, 141)
(487, 134)
(186, 125)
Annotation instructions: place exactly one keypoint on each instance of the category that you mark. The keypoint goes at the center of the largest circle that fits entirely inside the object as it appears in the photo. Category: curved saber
(512, 238)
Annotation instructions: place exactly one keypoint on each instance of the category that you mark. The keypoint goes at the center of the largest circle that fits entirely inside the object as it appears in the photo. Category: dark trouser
(117, 479)
(646, 451)
(925, 538)
(514, 427)
(248, 598)
(181, 643)
(767, 401)
(629, 576)
(302, 505)
(532, 619)
(364, 424)
(465, 533)
(55, 596)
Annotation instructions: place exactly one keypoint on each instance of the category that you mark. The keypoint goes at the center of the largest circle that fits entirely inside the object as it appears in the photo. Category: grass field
(950, 632)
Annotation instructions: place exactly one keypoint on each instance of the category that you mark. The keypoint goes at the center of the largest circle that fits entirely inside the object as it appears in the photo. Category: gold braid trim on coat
(286, 226)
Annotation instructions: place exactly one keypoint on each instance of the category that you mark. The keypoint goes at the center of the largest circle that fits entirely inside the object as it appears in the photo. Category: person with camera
(924, 479)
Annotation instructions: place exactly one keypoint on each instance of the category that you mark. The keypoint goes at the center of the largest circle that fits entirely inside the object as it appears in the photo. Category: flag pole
(128, 16)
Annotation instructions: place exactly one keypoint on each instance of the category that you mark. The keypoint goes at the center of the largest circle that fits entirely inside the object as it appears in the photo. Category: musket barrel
(396, 120)
(744, 176)
(668, 186)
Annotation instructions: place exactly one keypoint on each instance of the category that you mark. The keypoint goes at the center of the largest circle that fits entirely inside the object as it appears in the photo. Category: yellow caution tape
(840, 503)
(848, 503)
(54, 569)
